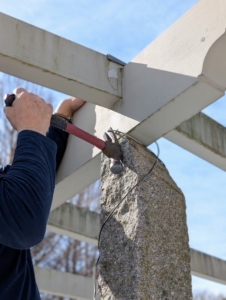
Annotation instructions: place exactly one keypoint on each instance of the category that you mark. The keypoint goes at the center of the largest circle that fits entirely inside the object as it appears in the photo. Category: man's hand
(68, 106)
(29, 112)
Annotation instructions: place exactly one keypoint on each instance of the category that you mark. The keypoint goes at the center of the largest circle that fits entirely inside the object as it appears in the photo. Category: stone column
(144, 251)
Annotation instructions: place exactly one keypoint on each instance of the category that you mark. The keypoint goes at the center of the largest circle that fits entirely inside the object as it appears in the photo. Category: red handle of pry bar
(70, 128)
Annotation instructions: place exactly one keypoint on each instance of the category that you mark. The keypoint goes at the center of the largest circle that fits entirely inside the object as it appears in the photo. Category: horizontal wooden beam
(75, 222)
(208, 267)
(203, 137)
(38, 56)
(64, 284)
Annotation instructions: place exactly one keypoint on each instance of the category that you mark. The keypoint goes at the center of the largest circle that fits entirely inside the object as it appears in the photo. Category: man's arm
(66, 108)
(26, 189)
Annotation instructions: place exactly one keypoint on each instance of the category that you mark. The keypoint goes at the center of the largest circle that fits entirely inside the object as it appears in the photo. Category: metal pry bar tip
(113, 151)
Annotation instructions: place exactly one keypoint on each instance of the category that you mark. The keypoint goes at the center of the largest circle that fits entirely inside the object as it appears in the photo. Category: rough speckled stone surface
(144, 252)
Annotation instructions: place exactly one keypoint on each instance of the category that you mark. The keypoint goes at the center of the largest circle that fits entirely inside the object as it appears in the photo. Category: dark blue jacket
(26, 192)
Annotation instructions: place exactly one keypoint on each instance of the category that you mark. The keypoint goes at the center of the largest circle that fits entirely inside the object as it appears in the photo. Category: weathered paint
(64, 284)
(207, 132)
(208, 267)
(49, 60)
(203, 137)
(76, 222)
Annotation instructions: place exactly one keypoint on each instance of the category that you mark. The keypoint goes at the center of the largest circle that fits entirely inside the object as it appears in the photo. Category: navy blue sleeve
(60, 137)
(26, 191)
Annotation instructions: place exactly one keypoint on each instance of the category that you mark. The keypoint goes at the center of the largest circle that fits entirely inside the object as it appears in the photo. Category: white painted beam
(208, 267)
(75, 222)
(59, 64)
(166, 84)
(64, 284)
(203, 137)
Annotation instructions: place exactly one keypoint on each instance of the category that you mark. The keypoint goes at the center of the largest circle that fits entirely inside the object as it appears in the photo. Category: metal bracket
(116, 60)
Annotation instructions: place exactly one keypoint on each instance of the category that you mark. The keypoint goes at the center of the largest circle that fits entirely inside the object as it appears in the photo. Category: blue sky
(123, 29)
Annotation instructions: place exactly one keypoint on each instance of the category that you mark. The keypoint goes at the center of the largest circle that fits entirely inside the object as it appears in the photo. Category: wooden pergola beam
(46, 59)
(203, 137)
(75, 222)
(64, 284)
(208, 267)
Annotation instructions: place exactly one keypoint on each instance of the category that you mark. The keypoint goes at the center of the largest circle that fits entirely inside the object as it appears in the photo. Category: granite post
(144, 251)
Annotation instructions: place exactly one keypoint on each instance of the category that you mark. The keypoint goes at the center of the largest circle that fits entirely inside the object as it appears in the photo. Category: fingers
(19, 91)
(50, 106)
(16, 95)
(76, 103)
(49, 109)
(28, 112)
(68, 106)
